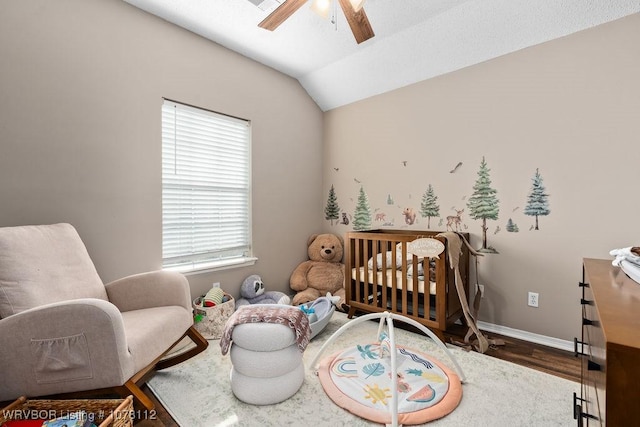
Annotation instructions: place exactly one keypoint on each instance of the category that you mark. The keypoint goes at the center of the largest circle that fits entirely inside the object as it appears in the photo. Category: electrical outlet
(481, 290)
(533, 299)
(215, 285)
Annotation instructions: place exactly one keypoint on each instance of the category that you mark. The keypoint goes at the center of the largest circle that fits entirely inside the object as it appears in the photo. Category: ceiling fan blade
(358, 21)
(278, 16)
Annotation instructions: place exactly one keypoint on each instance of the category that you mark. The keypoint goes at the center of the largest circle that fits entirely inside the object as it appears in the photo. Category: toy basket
(210, 321)
(102, 412)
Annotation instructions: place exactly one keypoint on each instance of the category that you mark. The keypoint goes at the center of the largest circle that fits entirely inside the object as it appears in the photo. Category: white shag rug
(496, 393)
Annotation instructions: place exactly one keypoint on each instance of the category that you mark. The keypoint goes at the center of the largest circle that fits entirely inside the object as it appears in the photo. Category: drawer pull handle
(577, 353)
(593, 366)
(585, 301)
(577, 410)
(589, 322)
(583, 285)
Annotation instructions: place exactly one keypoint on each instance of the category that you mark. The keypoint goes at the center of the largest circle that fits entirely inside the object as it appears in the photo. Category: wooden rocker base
(195, 336)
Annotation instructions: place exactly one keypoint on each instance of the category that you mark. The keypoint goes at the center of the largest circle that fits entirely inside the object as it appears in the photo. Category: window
(206, 221)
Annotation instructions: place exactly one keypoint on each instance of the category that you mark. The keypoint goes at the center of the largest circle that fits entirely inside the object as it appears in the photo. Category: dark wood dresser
(610, 347)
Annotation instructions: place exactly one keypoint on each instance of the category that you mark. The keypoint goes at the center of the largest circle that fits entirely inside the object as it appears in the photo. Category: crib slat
(403, 254)
(365, 255)
(415, 306)
(384, 298)
(394, 278)
(426, 295)
(358, 257)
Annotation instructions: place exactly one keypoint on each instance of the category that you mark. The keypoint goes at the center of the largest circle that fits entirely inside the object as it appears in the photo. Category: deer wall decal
(454, 221)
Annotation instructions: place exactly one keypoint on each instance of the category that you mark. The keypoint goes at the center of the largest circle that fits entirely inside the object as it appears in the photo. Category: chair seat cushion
(151, 331)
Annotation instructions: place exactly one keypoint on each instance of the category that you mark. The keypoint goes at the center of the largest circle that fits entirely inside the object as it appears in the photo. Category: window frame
(202, 183)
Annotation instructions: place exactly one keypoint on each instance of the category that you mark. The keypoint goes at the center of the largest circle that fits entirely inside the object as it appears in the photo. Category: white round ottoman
(266, 356)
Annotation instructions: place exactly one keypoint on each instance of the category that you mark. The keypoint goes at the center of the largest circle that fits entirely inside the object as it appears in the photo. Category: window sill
(213, 266)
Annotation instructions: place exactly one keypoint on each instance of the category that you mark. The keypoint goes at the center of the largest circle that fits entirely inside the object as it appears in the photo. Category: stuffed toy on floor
(323, 273)
(252, 292)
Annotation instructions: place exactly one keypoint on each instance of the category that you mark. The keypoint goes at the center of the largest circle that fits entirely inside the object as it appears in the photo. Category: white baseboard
(527, 336)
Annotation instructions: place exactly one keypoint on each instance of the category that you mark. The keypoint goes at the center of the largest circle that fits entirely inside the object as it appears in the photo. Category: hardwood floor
(542, 358)
(546, 359)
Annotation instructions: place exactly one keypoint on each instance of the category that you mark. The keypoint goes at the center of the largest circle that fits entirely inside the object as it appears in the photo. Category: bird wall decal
(456, 167)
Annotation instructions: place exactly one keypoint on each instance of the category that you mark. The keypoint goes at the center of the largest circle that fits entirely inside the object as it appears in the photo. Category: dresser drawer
(593, 393)
(591, 406)
(592, 384)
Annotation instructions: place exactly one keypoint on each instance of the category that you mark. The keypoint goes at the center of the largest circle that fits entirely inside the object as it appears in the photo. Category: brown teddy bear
(322, 273)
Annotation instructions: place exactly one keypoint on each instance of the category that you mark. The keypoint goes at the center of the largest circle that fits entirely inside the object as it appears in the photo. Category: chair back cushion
(41, 264)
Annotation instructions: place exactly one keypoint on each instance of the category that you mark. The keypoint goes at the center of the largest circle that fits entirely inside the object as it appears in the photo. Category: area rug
(496, 393)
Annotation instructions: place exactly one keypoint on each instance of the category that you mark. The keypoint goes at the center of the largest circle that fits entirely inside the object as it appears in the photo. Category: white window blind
(205, 188)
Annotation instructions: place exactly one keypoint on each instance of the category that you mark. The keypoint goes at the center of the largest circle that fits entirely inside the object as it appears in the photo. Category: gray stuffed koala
(252, 292)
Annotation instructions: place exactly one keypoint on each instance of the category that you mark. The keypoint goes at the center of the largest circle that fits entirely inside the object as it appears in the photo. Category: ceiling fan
(353, 11)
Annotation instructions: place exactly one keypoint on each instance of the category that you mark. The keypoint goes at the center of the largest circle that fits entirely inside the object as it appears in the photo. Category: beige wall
(81, 86)
(570, 107)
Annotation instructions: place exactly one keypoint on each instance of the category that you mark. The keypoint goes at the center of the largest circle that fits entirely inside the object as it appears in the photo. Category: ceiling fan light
(321, 7)
(357, 4)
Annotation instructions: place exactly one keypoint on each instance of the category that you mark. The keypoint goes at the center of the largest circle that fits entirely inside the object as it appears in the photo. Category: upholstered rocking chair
(64, 333)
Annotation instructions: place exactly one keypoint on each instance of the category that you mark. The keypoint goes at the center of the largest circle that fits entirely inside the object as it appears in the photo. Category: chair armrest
(99, 334)
(152, 289)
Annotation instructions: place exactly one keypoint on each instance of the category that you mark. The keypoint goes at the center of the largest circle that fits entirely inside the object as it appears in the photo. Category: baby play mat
(360, 379)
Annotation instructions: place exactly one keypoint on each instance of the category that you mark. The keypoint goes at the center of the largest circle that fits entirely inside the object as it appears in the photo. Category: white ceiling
(414, 39)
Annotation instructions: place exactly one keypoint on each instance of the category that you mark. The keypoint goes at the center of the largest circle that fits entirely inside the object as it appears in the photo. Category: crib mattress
(377, 277)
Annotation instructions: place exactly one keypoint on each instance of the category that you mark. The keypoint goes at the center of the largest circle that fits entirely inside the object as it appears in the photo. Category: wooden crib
(379, 277)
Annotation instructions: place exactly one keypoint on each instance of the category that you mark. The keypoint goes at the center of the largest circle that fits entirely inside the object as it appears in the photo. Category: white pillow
(389, 258)
(420, 269)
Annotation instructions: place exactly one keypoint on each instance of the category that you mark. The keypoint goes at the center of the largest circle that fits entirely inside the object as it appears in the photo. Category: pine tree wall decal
(429, 207)
(483, 203)
(332, 210)
(537, 201)
(362, 215)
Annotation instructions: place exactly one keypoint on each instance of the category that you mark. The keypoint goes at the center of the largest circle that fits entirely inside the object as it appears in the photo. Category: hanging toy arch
(389, 384)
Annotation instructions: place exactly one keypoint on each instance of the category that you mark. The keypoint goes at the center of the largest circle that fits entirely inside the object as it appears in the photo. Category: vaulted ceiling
(414, 39)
